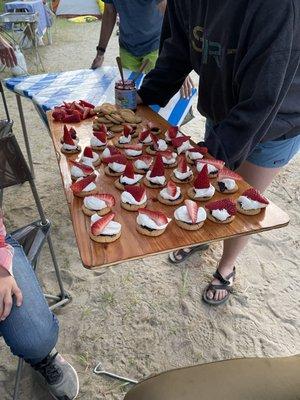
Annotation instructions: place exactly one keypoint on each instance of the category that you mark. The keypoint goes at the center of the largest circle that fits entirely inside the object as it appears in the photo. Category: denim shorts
(273, 153)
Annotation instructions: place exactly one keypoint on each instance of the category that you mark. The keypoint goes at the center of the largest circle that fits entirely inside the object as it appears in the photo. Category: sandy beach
(146, 316)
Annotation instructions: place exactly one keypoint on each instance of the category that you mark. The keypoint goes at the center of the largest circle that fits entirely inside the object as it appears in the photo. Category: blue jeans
(31, 331)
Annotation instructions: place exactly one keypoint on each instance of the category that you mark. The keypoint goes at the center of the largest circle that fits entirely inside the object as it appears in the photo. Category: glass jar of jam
(126, 94)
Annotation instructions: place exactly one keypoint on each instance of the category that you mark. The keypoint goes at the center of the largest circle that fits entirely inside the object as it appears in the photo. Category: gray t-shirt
(140, 25)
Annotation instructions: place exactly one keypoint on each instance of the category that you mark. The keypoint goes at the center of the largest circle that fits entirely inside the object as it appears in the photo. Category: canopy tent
(67, 8)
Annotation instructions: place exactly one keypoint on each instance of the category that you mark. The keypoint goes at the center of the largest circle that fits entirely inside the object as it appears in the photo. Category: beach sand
(146, 316)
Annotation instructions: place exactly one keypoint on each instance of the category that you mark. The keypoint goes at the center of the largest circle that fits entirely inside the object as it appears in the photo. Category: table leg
(4, 101)
(25, 134)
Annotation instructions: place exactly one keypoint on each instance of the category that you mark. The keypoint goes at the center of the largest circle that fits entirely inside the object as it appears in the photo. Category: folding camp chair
(14, 171)
(239, 379)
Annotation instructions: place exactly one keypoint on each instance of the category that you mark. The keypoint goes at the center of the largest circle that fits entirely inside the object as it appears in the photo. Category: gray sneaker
(59, 376)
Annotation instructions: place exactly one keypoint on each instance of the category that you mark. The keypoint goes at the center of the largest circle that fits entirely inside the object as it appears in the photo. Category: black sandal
(225, 285)
(173, 257)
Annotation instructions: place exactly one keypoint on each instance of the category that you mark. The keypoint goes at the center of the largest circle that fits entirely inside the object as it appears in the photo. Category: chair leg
(18, 378)
(25, 134)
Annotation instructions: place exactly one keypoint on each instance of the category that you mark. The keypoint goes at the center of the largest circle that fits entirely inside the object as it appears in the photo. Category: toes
(210, 295)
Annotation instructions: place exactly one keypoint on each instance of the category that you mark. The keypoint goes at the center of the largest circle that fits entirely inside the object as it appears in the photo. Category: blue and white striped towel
(95, 86)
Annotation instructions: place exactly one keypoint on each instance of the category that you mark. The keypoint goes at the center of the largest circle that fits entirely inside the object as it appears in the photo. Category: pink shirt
(6, 251)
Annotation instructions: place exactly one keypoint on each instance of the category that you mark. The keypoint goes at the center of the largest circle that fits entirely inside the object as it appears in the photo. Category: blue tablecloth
(95, 86)
(32, 6)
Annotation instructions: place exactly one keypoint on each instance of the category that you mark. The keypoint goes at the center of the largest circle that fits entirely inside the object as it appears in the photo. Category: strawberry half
(157, 216)
(171, 188)
(172, 132)
(182, 165)
(146, 159)
(202, 180)
(78, 186)
(158, 167)
(73, 133)
(226, 173)
(192, 210)
(219, 164)
(84, 168)
(117, 158)
(129, 171)
(155, 140)
(255, 195)
(101, 136)
(98, 226)
(102, 128)
(168, 154)
(226, 204)
(138, 192)
(144, 134)
(113, 150)
(199, 149)
(88, 152)
(107, 198)
(127, 130)
(177, 142)
(137, 147)
(67, 137)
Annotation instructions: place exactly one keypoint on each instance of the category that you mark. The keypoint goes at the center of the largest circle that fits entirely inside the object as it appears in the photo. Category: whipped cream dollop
(140, 164)
(194, 155)
(144, 220)
(97, 142)
(210, 168)
(229, 183)
(93, 203)
(183, 175)
(69, 147)
(147, 140)
(221, 215)
(162, 145)
(124, 139)
(133, 153)
(182, 214)
(166, 195)
(160, 180)
(111, 229)
(127, 197)
(207, 192)
(131, 181)
(106, 153)
(91, 186)
(248, 204)
(184, 147)
(89, 161)
(116, 167)
(171, 160)
(77, 172)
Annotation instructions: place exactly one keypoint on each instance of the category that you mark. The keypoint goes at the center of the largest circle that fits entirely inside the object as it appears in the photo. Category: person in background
(26, 323)
(247, 55)
(139, 38)
(7, 53)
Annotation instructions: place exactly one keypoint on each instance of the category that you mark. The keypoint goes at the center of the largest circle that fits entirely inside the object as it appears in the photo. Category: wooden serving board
(133, 245)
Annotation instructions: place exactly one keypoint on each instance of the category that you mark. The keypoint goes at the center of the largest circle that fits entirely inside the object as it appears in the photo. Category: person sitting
(27, 325)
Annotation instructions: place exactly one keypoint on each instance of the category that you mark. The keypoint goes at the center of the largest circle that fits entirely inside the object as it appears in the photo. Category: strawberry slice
(219, 164)
(158, 167)
(88, 152)
(101, 128)
(168, 154)
(199, 149)
(127, 130)
(98, 227)
(192, 210)
(172, 132)
(177, 142)
(182, 165)
(117, 158)
(86, 113)
(73, 117)
(84, 168)
(155, 140)
(226, 173)
(144, 134)
(202, 180)
(86, 104)
(67, 139)
(113, 150)
(59, 114)
(79, 185)
(73, 133)
(226, 204)
(101, 136)
(171, 188)
(129, 171)
(137, 147)
(146, 159)
(255, 195)
(157, 216)
(108, 198)
(138, 192)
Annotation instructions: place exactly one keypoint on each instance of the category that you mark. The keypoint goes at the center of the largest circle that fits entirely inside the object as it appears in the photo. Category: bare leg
(260, 178)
